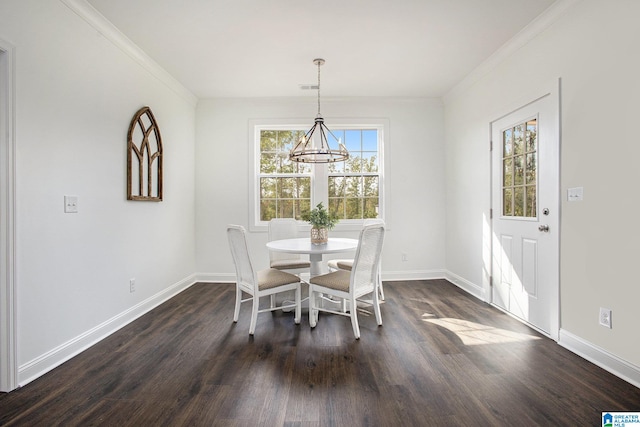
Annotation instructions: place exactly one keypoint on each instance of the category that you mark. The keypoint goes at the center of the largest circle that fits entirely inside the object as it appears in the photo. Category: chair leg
(381, 289)
(298, 306)
(312, 308)
(376, 307)
(236, 311)
(254, 315)
(273, 300)
(354, 318)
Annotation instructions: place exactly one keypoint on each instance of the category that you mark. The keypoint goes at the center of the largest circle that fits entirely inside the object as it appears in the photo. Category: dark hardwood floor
(441, 358)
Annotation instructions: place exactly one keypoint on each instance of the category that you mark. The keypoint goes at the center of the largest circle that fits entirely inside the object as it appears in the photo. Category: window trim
(319, 172)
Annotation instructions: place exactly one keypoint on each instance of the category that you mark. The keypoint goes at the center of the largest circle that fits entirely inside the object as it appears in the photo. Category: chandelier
(308, 150)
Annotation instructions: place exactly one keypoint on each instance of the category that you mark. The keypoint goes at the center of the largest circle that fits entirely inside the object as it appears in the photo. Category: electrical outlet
(70, 204)
(605, 317)
(132, 285)
(405, 258)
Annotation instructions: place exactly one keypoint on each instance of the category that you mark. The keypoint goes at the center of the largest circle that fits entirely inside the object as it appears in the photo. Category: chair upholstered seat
(338, 280)
(340, 264)
(271, 278)
(287, 264)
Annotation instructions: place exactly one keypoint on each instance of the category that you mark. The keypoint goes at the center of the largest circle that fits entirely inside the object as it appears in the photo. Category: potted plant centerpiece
(321, 222)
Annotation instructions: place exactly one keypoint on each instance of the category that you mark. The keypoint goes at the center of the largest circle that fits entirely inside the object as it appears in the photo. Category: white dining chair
(351, 285)
(259, 283)
(347, 264)
(286, 228)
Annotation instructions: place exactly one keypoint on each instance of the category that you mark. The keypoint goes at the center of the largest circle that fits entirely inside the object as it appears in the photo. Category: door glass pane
(518, 139)
(507, 178)
(507, 202)
(507, 137)
(531, 168)
(518, 170)
(531, 201)
(518, 201)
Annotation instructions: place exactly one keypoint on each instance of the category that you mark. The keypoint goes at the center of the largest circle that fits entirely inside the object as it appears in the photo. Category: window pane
(303, 188)
(268, 188)
(369, 161)
(507, 177)
(531, 208)
(268, 141)
(285, 208)
(336, 186)
(353, 140)
(507, 202)
(370, 207)
(532, 134)
(531, 168)
(336, 167)
(370, 140)
(353, 186)
(267, 210)
(285, 187)
(268, 163)
(518, 170)
(336, 207)
(518, 139)
(371, 186)
(353, 208)
(300, 206)
(507, 138)
(353, 163)
(518, 203)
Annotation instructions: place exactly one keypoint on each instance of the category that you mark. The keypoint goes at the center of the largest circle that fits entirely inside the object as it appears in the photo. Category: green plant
(319, 217)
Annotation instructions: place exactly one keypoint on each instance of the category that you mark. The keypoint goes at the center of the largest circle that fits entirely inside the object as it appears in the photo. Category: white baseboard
(57, 356)
(464, 284)
(215, 277)
(600, 357)
(391, 276)
(387, 276)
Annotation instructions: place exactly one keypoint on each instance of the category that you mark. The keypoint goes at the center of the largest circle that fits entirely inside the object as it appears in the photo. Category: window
(351, 190)
(519, 165)
(354, 184)
(285, 186)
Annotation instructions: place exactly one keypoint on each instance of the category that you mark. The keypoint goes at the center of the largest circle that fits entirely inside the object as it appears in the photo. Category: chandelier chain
(319, 64)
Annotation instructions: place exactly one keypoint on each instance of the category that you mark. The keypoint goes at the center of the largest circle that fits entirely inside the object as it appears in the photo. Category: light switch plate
(575, 194)
(71, 204)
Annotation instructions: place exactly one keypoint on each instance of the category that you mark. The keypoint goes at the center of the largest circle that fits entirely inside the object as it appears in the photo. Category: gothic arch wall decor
(144, 158)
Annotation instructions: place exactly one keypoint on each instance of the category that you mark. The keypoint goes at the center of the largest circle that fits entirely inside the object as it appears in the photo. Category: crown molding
(533, 29)
(94, 18)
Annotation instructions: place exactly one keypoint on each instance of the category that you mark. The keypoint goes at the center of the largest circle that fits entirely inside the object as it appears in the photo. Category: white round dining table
(304, 246)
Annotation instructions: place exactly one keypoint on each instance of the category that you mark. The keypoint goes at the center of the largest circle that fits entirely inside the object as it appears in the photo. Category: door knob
(544, 228)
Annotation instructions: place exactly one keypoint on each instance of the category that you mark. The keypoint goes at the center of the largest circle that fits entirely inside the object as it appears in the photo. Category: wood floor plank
(441, 358)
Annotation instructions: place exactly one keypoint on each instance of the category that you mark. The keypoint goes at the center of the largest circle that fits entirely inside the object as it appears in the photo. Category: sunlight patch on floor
(471, 333)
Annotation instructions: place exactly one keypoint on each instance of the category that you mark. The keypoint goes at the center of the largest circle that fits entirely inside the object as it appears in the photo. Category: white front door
(525, 213)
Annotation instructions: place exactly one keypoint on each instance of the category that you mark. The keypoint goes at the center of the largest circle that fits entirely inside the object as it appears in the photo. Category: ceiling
(265, 48)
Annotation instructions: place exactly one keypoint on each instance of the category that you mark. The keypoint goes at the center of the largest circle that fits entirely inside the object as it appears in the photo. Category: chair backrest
(367, 258)
(370, 221)
(283, 228)
(245, 275)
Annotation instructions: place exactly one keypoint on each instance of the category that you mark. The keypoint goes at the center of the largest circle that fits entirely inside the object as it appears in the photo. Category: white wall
(593, 48)
(414, 178)
(75, 95)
